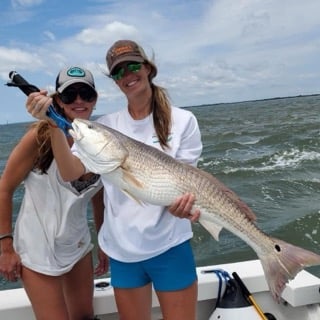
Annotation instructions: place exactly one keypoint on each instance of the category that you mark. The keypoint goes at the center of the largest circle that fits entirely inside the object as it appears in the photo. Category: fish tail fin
(284, 263)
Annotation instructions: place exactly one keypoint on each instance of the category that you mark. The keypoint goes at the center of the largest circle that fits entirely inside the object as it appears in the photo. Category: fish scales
(148, 174)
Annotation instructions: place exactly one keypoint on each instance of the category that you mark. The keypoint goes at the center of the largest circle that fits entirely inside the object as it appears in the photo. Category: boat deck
(301, 295)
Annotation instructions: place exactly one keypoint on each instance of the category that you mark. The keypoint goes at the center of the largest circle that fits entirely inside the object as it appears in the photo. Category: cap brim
(73, 81)
(124, 59)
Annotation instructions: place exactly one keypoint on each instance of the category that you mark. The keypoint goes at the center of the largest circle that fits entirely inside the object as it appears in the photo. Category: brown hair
(161, 108)
(45, 153)
(161, 114)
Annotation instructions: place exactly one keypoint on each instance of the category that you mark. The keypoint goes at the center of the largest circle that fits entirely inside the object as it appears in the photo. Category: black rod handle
(18, 81)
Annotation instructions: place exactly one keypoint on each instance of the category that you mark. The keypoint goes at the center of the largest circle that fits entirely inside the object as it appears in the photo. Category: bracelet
(6, 235)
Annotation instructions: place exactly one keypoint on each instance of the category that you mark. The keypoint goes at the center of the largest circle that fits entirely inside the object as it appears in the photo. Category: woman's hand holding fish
(38, 103)
(182, 208)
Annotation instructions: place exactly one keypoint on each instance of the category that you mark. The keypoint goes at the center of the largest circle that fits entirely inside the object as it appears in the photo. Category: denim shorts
(172, 270)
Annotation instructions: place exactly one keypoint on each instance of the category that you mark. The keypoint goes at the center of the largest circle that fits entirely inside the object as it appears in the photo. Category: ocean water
(267, 151)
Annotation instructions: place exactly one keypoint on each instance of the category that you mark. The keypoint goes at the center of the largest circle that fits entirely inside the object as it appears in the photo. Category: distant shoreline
(245, 101)
(198, 106)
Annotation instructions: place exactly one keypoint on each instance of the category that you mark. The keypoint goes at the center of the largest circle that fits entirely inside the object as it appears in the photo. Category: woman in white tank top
(50, 248)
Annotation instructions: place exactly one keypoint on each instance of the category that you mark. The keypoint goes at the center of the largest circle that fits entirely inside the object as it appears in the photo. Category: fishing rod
(18, 81)
(246, 292)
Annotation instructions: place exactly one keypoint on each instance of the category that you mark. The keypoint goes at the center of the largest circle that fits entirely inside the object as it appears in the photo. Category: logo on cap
(122, 50)
(76, 72)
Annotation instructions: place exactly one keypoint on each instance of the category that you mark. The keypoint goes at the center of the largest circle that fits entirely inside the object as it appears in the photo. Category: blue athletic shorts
(172, 270)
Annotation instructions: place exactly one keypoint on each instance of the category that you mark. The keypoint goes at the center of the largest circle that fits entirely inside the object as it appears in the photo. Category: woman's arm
(98, 209)
(19, 164)
(98, 212)
(70, 167)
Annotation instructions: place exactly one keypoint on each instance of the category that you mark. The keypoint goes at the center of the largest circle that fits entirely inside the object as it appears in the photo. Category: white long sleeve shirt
(131, 232)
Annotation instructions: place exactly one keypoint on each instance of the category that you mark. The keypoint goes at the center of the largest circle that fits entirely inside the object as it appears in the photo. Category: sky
(206, 51)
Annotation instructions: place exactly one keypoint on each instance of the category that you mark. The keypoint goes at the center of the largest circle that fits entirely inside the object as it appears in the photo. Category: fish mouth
(74, 132)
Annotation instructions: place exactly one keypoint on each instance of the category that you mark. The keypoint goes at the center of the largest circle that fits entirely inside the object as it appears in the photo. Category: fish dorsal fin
(242, 205)
(211, 227)
(233, 197)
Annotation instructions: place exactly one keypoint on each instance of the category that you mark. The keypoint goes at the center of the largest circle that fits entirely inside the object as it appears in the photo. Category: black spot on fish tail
(277, 247)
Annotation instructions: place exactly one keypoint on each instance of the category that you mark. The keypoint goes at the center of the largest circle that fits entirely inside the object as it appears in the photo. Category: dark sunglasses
(118, 73)
(86, 93)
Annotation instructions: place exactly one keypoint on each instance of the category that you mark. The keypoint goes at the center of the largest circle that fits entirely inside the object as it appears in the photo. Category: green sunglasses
(118, 73)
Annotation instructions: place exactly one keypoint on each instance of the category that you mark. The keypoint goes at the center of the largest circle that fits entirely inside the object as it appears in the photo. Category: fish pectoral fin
(128, 194)
(130, 178)
(211, 227)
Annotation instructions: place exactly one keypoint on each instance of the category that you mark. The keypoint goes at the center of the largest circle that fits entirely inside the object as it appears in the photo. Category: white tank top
(51, 233)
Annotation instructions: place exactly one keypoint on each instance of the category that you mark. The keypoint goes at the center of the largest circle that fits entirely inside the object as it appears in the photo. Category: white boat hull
(300, 299)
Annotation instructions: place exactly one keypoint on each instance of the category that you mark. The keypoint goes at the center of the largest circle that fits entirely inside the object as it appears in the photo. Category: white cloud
(18, 58)
(92, 36)
(206, 51)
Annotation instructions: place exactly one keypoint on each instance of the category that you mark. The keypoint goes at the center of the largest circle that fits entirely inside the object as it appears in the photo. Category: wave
(280, 161)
